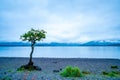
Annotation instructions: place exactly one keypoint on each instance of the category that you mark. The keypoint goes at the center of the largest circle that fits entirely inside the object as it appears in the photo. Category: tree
(33, 36)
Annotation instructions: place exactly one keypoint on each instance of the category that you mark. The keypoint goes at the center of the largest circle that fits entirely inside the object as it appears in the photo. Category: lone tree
(32, 36)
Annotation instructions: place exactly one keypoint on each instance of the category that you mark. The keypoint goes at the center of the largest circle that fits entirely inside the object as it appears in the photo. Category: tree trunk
(30, 60)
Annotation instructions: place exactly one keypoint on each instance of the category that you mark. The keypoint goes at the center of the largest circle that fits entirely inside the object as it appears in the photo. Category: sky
(63, 20)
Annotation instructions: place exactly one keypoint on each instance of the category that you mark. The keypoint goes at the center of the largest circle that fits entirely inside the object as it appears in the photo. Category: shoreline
(62, 58)
(9, 65)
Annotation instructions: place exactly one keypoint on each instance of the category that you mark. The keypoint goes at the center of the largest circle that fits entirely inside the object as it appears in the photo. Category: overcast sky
(64, 20)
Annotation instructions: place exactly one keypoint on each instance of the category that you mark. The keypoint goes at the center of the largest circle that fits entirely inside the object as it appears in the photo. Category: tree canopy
(33, 35)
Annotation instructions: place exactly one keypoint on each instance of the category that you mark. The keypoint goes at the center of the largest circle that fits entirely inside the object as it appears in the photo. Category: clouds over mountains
(64, 20)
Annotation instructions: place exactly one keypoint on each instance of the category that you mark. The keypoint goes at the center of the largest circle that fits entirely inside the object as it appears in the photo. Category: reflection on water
(62, 52)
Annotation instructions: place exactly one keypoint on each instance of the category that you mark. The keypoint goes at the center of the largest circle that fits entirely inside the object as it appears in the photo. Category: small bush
(114, 67)
(70, 71)
(111, 74)
(105, 73)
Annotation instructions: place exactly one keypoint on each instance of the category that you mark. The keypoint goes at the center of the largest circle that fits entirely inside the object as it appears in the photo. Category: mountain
(103, 43)
(90, 43)
(14, 44)
(37, 44)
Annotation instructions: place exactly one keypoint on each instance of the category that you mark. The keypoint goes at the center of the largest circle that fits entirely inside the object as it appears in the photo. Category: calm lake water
(62, 52)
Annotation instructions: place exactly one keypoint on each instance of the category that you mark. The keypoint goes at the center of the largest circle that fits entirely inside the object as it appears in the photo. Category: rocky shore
(51, 68)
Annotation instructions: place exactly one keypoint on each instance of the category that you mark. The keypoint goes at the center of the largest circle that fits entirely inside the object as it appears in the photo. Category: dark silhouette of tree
(33, 36)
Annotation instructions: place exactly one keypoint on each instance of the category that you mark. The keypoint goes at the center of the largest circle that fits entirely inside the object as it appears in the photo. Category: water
(62, 52)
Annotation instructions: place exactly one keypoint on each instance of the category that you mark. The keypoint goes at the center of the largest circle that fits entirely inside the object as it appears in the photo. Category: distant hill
(37, 44)
(103, 43)
(14, 44)
(90, 43)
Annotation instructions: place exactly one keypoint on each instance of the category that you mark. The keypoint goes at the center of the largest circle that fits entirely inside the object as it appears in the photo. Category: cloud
(64, 20)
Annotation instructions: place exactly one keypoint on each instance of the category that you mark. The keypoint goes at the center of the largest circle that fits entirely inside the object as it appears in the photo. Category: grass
(70, 71)
(10, 71)
(6, 78)
(116, 72)
(112, 73)
(21, 69)
(105, 73)
(114, 67)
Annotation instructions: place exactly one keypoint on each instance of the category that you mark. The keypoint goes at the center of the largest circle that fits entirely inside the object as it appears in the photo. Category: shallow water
(62, 52)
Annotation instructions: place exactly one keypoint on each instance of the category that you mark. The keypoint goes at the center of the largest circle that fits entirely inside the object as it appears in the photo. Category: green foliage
(9, 70)
(26, 67)
(20, 69)
(116, 72)
(70, 71)
(6, 78)
(114, 67)
(112, 73)
(33, 35)
(105, 73)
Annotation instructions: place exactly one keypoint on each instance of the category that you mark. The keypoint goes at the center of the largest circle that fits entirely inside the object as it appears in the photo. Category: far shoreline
(61, 46)
(63, 58)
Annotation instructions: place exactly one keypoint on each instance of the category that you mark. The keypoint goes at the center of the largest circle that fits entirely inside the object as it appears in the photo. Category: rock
(55, 62)
(55, 70)
(60, 69)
